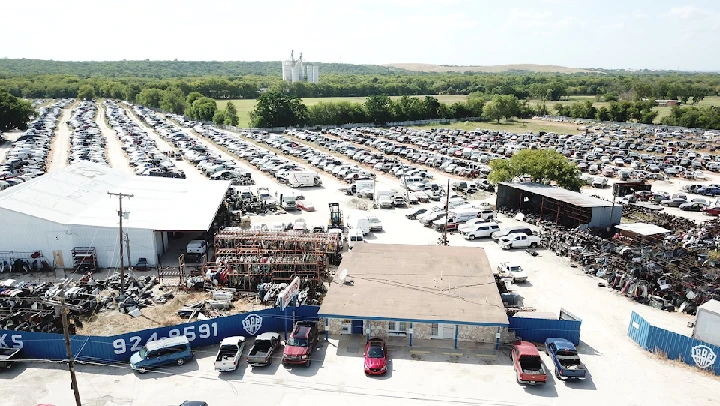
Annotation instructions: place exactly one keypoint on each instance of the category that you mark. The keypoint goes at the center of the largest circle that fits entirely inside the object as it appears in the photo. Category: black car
(415, 214)
(194, 403)
(142, 265)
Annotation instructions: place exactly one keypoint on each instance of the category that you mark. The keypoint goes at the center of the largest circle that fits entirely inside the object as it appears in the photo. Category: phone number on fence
(203, 331)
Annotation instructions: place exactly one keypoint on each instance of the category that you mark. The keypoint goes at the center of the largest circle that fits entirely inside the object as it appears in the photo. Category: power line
(120, 215)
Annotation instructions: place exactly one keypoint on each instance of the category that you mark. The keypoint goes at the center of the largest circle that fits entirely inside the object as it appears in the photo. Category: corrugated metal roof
(643, 228)
(557, 193)
(711, 306)
(78, 195)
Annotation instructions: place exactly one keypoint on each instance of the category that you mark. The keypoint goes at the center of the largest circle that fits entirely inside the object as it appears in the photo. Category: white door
(443, 331)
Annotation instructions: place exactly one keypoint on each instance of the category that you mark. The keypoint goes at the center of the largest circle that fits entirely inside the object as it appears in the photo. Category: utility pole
(127, 247)
(68, 347)
(120, 214)
(447, 213)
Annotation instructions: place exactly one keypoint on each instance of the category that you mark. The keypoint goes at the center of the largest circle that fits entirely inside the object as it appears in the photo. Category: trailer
(303, 179)
(707, 323)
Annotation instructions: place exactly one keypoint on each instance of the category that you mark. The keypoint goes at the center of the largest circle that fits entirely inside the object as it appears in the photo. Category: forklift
(336, 218)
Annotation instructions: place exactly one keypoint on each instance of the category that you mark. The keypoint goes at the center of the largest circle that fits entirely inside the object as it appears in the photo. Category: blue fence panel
(676, 346)
(639, 330)
(119, 348)
(538, 330)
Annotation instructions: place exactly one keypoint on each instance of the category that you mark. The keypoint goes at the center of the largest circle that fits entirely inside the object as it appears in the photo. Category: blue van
(174, 350)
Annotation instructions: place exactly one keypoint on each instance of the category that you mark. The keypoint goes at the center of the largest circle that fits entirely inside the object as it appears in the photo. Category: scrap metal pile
(677, 271)
(265, 262)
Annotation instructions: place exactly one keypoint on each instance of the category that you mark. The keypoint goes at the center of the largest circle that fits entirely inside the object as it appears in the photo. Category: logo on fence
(703, 356)
(252, 324)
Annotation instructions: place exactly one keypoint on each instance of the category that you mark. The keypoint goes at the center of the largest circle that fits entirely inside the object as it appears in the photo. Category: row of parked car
(28, 155)
(211, 164)
(142, 151)
(87, 143)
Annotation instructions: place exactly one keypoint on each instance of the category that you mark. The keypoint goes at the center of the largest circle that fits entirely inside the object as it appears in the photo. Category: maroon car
(300, 344)
(375, 357)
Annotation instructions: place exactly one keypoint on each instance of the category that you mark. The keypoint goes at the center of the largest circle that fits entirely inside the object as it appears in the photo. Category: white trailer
(707, 323)
(359, 220)
(303, 179)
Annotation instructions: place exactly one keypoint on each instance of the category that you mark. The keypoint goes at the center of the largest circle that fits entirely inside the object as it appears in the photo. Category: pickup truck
(526, 361)
(452, 225)
(519, 240)
(6, 354)
(228, 357)
(565, 357)
(261, 352)
(514, 271)
(300, 344)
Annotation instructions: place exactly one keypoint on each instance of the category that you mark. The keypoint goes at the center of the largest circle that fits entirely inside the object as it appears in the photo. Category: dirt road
(115, 154)
(60, 150)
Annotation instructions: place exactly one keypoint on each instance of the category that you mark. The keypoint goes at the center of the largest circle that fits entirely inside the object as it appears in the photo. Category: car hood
(295, 351)
(374, 362)
(135, 359)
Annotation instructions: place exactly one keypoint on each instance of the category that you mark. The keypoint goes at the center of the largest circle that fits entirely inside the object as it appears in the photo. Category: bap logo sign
(703, 356)
(252, 324)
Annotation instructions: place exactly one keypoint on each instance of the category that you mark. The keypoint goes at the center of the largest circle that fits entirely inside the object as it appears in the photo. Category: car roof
(267, 336)
(232, 340)
(561, 343)
(526, 348)
(166, 342)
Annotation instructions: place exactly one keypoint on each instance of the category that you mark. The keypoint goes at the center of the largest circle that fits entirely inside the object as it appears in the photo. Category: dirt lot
(60, 150)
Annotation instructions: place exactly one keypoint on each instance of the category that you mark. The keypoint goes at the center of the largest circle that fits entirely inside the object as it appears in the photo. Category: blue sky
(657, 34)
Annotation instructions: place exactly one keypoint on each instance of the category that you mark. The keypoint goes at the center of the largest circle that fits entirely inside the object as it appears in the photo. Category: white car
(375, 223)
(514, 271)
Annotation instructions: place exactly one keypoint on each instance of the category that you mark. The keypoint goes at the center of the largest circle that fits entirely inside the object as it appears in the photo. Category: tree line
(539, 86)
(278, 109)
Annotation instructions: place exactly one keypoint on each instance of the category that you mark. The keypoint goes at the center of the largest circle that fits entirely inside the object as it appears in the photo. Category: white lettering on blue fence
(134, 343)
(15, 341)
(703, 356)
(252, 324)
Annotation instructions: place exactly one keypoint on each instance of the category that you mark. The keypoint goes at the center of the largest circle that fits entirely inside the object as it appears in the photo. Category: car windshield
(374, 220)
(143, 352)
(515, 269)
(376, 352)
(297, 342)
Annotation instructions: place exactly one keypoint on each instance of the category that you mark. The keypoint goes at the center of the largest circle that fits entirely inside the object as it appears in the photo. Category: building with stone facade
(417, 292)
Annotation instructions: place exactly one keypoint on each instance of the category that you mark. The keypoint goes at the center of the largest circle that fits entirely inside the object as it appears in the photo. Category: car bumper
(375, 371)
(294, 361)
(539, 382)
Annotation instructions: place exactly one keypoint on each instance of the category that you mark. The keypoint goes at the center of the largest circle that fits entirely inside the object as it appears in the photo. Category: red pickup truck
(300, 344)
(528, 366)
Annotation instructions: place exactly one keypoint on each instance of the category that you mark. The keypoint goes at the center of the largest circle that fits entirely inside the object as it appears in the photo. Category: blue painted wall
(538, 330)
(676, 346)
(119, 348)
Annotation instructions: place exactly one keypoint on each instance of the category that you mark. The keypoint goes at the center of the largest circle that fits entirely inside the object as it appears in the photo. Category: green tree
(191, 97)
(219, 117)
(603, 114)
(543, 166)
(508, 105)
(203, 109)
(491, 111)
(173, 100)
(86, 92)
(14, 112)
(275, 109)
(379, 109)
(150, 97)
(231, 116)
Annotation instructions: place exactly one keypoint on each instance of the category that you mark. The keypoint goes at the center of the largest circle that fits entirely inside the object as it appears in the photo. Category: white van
(359, 220)
(412, 180)
(355, 236)
(462, 215)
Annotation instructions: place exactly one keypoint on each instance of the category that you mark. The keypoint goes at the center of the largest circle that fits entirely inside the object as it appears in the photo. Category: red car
(300, 344)
(305, 205)
(712, 211)
(527, 363)
(375, 357)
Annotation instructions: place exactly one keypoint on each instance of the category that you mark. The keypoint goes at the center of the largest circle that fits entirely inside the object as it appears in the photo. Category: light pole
(122, 260)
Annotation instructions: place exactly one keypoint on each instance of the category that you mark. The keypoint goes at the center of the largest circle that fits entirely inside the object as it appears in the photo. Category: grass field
(245, 106)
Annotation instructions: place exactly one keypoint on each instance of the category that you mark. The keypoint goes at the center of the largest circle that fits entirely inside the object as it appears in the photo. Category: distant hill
(161, 69)
(424, 67)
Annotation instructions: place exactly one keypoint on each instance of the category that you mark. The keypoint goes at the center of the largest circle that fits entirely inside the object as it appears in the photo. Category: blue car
(174, 350)
(565, 359)
(709, 191)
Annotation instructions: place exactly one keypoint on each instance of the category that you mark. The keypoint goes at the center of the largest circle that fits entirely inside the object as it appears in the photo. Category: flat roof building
(57, 212)
(436, 292)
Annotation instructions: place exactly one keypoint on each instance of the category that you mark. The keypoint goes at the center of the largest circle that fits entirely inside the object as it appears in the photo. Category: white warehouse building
(52, 215)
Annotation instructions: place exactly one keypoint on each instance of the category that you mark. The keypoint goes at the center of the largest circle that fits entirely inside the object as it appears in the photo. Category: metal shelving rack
(254, 257)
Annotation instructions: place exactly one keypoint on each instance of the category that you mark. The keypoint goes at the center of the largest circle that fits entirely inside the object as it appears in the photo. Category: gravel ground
(60, 151)
(115, 154)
